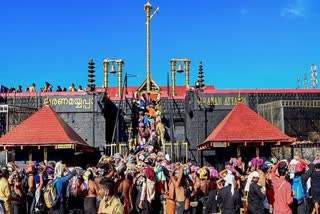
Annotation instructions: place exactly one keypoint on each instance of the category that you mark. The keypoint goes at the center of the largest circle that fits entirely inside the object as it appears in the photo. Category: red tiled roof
(43, 128)
(243, 125)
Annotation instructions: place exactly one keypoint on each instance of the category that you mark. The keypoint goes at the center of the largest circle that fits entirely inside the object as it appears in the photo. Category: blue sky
(242, 43)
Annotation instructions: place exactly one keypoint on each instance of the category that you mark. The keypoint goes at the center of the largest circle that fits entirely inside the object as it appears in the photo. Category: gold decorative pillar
(187, 66)
(30, 155)
(257, 150)
(105, 69)
(148, 8)
(45, 154)
(173, 76)
(120, 63)
(238, 150)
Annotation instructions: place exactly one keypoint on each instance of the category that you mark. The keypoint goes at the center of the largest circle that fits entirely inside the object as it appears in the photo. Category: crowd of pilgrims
(150, 183)
(48, 87)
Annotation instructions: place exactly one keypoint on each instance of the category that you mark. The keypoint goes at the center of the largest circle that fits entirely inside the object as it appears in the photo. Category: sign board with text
(219, 101)
(71, 103)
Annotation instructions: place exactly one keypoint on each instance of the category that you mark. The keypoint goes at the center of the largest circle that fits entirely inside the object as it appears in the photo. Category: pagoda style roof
(243, 125)
(43, 128)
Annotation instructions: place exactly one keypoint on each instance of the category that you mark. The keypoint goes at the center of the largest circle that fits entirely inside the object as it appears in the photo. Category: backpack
(50, 195)
(297, 187)
(38, 204)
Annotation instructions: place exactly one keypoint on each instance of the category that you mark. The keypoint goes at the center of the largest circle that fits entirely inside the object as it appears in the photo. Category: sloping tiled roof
(43, 128)
(243, 125)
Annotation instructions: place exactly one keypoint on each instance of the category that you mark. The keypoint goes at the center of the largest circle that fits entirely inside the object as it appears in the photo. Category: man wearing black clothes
(229, 196)
(256, 196)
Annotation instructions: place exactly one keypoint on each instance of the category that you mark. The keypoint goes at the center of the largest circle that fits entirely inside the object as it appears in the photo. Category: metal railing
(180, 150)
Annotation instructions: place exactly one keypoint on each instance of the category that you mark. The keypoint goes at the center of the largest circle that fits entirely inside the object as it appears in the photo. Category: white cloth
(249, 179)
(148, 190)
(229, 180)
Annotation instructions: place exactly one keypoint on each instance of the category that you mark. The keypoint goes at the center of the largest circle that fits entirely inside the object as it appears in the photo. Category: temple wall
(306, 150)
(194, 117)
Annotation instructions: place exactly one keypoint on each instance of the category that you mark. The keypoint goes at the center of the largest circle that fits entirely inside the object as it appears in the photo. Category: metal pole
(7, 120)
(6, 152)
(171, 118)
(171, 129)
(205, 123)
(93, 120)
(198, 140)
(117, 126)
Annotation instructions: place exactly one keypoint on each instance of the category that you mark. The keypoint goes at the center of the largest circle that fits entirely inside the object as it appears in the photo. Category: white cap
(255, 174)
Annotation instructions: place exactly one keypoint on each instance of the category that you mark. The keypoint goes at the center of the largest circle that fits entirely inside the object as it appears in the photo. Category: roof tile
(45, 127)
(242, 124)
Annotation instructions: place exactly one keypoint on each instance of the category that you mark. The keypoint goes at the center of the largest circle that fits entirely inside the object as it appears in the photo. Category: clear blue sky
(242, 43)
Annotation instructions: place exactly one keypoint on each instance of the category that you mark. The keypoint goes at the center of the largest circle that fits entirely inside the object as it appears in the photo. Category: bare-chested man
(169, 196)
(181, 200)
(31, 187)
(125, 188)
(90, 201)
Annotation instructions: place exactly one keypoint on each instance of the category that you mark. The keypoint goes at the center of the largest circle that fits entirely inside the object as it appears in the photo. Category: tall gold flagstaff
(148, 8)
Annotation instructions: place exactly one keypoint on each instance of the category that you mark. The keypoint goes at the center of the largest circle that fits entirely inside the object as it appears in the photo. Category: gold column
(45, 154)
(187, 65)
(120, 62)
(148, 8)
(105, 68)
(257, 150)
(238, 150)
(173, 76)
(30, 155)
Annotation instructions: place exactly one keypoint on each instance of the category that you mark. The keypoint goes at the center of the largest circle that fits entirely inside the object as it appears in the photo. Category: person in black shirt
(229, 197)
(256, 196)
(212, 203)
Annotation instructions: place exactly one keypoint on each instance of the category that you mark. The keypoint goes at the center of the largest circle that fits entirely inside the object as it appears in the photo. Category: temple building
(102, 119)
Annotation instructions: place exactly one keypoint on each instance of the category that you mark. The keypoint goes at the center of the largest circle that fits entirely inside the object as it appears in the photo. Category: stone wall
(306, 150)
